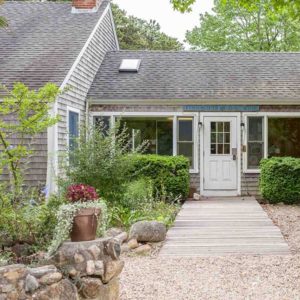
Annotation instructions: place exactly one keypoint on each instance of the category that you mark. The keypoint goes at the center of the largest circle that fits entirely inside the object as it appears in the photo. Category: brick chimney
(84, 6)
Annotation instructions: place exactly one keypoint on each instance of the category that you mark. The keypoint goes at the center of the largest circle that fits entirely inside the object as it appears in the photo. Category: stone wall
(81, 270)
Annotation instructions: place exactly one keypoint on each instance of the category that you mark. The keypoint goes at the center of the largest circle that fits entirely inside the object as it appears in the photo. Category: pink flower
(81, 192)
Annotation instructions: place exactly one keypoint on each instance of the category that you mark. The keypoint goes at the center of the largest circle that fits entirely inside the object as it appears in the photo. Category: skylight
(129, 65)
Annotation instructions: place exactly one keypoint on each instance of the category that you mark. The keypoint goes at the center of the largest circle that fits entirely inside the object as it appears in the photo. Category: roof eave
(182, 101)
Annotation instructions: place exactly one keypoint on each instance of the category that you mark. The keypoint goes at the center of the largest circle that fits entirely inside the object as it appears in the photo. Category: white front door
(220, 154)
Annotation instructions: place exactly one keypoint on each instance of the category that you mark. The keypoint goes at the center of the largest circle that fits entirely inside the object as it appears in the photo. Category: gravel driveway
(231, 277)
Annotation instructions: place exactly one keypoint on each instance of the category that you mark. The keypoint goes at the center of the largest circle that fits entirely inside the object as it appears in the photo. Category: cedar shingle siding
(41, 45)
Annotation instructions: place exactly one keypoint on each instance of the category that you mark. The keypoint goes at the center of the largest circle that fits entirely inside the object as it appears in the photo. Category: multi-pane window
(284, 137)
(220, 137)
(255, 142)
(73, 119)
(185, 138)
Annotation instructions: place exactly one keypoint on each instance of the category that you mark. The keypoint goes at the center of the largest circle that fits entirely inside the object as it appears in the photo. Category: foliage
(24, 113)
(137, 34)
(101, 160)
(65, 216)
(258, 25)
(81, 192)
(3, 21)
(169, 174)
(183, 5)
(280, 179)
(30, 221)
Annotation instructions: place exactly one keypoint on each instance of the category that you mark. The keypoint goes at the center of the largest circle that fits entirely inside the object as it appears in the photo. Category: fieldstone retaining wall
(81, 270)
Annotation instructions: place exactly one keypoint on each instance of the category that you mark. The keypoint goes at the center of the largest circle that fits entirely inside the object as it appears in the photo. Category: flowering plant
(81, 193)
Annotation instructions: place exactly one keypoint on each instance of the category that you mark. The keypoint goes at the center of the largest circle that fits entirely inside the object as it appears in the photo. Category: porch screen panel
(185, 138)
(255, 151)
(284, 137)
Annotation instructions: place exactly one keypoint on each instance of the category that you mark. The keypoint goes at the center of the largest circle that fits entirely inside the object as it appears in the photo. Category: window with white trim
(281, 137)
(73, 128)
(185, 138)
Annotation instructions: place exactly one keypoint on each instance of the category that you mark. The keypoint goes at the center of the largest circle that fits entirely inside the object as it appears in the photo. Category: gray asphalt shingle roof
(42, 41)
(199, 75)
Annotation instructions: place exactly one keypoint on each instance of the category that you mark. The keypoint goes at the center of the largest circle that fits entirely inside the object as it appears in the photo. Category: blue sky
(172, 22)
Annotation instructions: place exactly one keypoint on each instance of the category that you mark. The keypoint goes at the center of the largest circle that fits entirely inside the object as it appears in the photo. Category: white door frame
(201, 153)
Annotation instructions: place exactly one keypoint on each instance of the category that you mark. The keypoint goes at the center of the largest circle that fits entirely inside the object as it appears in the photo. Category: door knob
(234, 153)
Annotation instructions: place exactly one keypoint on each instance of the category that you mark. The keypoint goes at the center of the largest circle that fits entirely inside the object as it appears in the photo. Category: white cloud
(172, 22)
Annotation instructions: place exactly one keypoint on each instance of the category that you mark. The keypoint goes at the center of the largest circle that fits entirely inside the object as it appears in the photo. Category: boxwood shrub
(280, 179)
(169, 174)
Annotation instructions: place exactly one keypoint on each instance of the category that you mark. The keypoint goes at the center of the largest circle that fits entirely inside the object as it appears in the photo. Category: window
(284, 137)
(255, 142)
(185, 138)
(281, 138)
(73, 120)
(220, 138)
(102, 123)
(130, 65)
(158, 132)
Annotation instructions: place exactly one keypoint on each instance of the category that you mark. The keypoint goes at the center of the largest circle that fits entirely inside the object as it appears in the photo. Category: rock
(148, 231)
(93, 288)
(112, 269)
(95, 251)
(89, 288)
(61, 290)
(143, 250)
(112, 232)
(41, 271)
(73, 272)
(122, 237)
(90, 267)
(13, 273)
(7, 288)
(99, 268)
(125, 248)
(50, 278)
(31, 283)
(110, 291)
(113, 249)
(196, 196)
(133, 243)
(78, 258)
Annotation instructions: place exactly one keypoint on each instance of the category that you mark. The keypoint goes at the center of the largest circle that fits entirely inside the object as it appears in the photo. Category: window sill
(192, 171)
(252, 171)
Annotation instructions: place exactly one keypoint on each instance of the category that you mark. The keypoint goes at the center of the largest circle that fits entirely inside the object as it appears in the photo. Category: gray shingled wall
(83, 75)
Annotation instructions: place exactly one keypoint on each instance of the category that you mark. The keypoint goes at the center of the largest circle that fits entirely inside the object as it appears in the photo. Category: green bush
(169, 174)
(280, 179)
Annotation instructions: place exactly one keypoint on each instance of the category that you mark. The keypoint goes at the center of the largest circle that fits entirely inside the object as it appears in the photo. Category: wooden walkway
(223, 226)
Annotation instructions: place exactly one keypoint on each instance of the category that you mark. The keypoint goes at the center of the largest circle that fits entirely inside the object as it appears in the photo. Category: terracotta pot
(85, 225)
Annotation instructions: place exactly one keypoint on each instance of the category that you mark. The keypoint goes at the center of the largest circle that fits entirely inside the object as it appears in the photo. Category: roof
(42, 41)
(192, 75)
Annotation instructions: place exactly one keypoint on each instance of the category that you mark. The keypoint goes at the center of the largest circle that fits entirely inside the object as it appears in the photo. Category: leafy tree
(24, 113)
(3, 22)
(137, 34)
(257, 26)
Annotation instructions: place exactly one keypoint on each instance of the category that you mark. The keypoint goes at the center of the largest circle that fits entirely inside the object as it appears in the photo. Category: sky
(172, 22)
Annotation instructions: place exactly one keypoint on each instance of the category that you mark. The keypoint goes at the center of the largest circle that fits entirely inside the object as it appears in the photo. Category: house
(224, 111)
(57, 42)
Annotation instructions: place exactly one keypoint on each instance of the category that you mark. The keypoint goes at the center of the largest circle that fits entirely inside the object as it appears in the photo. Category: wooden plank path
(223, 226)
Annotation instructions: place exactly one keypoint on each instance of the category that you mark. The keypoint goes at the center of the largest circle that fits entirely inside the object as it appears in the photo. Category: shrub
(169, 174)
(101, 160)
(280, 179)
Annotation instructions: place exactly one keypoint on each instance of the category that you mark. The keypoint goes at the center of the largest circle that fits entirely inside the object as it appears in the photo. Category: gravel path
(231, 277)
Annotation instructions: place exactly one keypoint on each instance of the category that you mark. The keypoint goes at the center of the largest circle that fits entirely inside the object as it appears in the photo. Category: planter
(85, 225)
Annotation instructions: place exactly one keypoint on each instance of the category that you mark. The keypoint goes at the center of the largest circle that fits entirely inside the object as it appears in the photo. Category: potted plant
(85, 221)
(83, 218)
